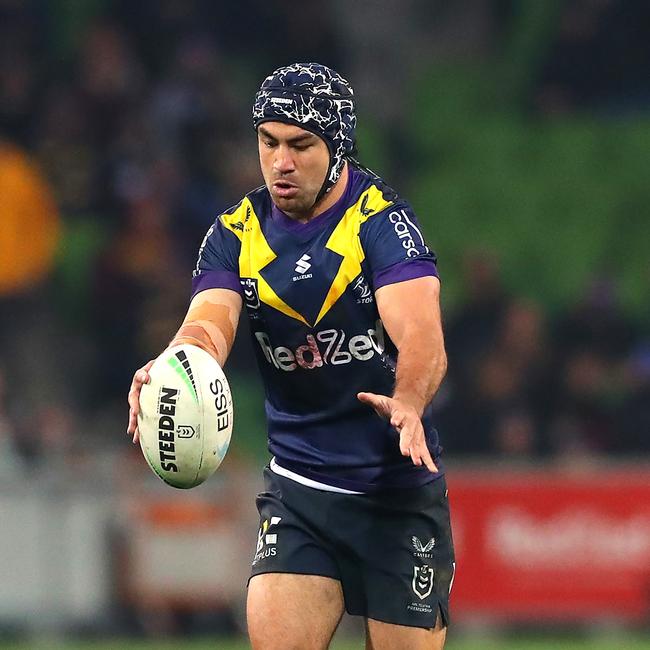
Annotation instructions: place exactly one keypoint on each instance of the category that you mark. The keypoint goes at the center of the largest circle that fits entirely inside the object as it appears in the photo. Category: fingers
(133, 422)
(141, 377)
(405, 435)
(428, 461)
(380, 403)
(398, 419)
(136, 436)
(413, 443)
(134, 406)
(369, 398)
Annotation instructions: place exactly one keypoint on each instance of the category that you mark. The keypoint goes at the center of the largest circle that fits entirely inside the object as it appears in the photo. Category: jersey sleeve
(218, 264)
(395, 247)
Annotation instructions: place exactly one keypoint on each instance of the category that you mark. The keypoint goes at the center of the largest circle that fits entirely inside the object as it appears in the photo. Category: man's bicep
(412, 306)
(211, 321)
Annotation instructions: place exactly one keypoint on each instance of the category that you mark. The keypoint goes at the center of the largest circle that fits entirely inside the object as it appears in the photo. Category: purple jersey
(308, 290)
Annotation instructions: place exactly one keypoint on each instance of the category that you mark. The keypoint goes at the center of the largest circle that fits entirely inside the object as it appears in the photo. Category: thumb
(380, 403)
(367, 398)
(372, 399)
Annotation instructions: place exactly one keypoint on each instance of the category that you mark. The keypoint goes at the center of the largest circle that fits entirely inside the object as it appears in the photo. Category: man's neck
(328, 200)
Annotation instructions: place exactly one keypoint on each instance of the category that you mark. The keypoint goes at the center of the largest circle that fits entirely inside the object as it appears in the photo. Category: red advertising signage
(551, 545)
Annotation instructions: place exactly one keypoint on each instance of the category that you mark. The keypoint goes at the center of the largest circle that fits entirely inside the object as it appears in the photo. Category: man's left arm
(410, 312)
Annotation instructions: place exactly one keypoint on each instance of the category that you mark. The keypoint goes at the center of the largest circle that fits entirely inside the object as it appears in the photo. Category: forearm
(211, 325)
(196, 334)
(421, 367)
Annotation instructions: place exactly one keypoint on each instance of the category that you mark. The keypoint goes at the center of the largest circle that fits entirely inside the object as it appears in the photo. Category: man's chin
(291, 204)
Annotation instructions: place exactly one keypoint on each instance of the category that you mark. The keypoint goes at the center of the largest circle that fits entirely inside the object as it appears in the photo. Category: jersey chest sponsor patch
(324, 347)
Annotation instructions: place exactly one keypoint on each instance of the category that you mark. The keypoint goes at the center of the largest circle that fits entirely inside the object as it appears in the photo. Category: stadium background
(520, 132)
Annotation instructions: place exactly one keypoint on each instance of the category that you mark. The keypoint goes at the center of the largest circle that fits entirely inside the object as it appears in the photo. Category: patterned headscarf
(317, 99)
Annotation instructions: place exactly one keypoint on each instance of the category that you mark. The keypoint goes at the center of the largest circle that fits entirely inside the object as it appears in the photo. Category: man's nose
(283, 161)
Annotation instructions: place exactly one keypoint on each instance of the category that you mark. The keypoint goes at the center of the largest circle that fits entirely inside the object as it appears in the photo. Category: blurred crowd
(124, 129)
(525, 383)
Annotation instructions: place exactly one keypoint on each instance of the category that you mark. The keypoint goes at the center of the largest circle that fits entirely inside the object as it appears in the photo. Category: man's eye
(270, 144)
(301, 147)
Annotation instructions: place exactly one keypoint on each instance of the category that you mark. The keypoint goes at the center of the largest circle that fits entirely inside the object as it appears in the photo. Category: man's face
(294, 164)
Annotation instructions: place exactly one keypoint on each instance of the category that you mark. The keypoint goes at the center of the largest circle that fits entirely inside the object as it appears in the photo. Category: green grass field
(608, 642)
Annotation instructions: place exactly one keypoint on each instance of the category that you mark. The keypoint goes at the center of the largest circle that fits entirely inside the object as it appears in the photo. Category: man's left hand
(408, 424)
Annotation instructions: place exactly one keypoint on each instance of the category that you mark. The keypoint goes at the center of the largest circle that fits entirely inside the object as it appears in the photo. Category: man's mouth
(285, 189)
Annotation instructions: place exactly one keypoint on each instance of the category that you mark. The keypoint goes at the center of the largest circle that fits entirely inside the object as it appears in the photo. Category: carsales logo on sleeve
(408, 233)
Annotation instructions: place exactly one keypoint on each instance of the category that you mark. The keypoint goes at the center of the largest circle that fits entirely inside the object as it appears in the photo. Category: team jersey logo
(362, 291)
(251, 295)
(422, 582)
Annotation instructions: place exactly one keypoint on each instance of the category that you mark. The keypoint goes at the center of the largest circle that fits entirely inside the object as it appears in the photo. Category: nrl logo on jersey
(251, 296)
(423, 550)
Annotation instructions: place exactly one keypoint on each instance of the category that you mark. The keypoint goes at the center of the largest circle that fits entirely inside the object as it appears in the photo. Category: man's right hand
(141, 377)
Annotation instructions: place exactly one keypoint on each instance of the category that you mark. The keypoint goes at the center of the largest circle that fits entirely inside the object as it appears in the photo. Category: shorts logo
(423, 550)
(251, 296)
(422, 581)
(266, 542)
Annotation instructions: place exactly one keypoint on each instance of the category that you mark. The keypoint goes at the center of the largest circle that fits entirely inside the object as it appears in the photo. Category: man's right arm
(210, 323)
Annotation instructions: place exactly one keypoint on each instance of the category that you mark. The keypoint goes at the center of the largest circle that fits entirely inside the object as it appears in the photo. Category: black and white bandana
(317, 99)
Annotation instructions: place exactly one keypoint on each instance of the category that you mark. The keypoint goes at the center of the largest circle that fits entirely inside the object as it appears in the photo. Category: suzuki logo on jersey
(408, 232)
(327, 347)
(302, 266)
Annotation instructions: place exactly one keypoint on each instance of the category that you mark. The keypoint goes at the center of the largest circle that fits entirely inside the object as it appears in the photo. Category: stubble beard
(297, 207)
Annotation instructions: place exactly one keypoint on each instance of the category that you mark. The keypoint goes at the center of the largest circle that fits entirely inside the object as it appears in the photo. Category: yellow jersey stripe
(345, 241)
(255, 254)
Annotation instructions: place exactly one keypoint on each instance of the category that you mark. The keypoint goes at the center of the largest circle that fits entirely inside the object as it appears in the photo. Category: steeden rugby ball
(186, 416)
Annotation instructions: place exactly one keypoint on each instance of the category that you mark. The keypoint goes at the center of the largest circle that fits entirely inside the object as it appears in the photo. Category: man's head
(305, 109)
